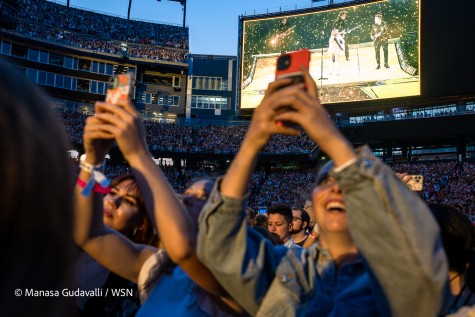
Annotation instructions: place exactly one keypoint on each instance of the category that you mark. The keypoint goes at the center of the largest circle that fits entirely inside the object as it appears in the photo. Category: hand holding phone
(289, 65)
(415, 182)
(119, 88)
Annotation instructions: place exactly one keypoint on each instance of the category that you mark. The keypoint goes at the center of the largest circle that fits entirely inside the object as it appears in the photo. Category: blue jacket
(402, 269)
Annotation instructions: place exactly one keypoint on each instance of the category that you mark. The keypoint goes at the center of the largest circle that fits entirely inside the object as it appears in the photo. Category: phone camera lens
(283, 62)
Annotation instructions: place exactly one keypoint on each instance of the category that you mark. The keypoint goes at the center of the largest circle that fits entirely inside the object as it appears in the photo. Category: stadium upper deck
(101, 32)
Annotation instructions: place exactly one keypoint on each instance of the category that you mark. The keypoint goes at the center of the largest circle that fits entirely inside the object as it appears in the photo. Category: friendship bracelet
(88, 167)
(97, 178)
(97, 187)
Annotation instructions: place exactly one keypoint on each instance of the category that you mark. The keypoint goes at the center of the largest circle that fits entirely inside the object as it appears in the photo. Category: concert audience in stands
(102, 33)
(444, 182)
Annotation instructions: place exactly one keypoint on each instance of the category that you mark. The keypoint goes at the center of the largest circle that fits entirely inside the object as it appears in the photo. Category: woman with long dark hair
(124, 211)
(458, 238)
(171, 279)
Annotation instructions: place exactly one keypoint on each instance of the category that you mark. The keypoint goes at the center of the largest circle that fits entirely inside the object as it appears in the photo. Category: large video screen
(362, 52)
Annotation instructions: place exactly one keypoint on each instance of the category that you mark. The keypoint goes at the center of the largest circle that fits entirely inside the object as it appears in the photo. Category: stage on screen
(345, 44)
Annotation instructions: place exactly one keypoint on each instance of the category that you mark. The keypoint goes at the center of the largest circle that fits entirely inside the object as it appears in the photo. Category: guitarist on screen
(283, 35)
(379, 35)
(341, 24)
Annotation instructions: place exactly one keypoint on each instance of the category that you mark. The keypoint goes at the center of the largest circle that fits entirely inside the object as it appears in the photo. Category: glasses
(296, 218)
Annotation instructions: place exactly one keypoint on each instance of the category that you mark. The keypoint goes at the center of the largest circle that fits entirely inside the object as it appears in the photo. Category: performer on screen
(336, 47)
(379, 35)
(282, 38)
(342, 25)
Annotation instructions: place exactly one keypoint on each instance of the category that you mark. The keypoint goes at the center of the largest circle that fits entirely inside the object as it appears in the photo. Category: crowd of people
(208, 139)
(193, 252)
(448, 182)
(102, 33)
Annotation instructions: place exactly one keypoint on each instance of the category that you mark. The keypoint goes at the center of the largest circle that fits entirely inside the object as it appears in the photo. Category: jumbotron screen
(362, 52)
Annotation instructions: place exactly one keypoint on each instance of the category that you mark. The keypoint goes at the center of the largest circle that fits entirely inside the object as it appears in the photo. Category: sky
(213, 24)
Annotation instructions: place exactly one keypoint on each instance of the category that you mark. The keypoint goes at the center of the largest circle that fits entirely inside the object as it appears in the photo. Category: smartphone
(289, 65)
(415, 182)
(119, 88)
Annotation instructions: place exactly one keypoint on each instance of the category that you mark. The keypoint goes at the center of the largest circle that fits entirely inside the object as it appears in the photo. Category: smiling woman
(372, 228)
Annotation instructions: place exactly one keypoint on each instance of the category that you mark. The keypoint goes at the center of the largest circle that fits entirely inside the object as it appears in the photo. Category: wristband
(88, 167)
(97, 187)
(96, 176)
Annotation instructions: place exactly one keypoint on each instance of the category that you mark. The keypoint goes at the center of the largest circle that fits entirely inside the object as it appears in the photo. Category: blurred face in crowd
(329, 207)
(308, 208)
(194, 198)
(298, 224)
(250, 216)
(121, 210)
(277, 224)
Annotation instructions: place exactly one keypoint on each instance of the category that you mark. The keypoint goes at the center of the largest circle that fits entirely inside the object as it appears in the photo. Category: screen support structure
(321, 65)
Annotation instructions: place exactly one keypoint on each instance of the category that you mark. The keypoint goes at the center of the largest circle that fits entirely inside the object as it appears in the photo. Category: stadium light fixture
(183, 3)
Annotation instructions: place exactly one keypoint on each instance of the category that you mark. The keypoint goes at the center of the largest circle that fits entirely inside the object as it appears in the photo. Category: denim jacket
(401, 270)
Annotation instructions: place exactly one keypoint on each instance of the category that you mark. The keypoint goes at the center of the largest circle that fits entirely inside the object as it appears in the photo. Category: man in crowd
(300, 220)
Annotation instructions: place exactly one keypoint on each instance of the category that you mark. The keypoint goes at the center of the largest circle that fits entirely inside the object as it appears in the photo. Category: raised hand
(264, 123)
(96, 142)
(307, 111)
(122, 123)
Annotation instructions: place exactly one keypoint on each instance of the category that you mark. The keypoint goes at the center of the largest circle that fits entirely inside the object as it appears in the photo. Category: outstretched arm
(313, 117)
(107, 246)
(390, 225)
(240, 258)
(176, 228)
(263, 125)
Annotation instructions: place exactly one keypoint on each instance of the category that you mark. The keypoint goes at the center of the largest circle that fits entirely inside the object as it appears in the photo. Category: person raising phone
(171, 280)
(379, 252)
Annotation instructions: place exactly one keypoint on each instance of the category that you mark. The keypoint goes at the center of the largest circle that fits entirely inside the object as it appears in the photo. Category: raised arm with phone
(170, 289)
(373, 229)
(289, 66)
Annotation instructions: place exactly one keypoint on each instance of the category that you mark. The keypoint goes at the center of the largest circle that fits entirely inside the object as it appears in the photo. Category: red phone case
(297, 60)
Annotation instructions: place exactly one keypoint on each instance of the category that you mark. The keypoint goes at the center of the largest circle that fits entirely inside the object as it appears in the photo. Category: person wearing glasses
(300, 220)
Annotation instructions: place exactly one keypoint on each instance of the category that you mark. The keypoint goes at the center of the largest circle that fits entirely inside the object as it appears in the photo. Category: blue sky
(213, 23)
